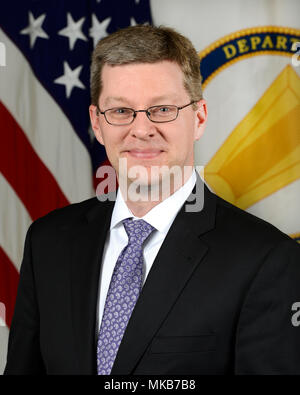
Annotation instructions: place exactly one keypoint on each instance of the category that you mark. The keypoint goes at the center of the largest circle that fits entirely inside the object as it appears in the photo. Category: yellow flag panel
(262, 154)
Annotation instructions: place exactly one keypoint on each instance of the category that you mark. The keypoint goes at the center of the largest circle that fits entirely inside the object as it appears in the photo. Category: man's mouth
(144, 154)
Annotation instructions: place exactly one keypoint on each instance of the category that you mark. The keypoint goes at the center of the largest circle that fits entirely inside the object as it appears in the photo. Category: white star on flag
(132, 22)
(98, 30)
(34, 29)
(73, 31)
(70, 79)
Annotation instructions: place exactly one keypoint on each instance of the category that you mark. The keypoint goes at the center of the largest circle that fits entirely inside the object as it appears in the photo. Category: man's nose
(142, 127)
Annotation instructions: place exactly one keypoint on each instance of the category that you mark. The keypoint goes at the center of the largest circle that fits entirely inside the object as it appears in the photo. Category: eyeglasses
(125, 116)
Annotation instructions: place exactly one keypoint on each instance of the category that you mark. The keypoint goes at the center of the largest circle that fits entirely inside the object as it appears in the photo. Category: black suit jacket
(218, 299)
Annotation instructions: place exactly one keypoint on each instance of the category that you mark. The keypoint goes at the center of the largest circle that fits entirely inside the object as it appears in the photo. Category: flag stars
(98, 30)
(34, 28)
(70, 79)
(132, 22)
(73, 31)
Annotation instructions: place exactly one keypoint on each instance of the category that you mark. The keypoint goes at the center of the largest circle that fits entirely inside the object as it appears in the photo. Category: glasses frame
(145, 111)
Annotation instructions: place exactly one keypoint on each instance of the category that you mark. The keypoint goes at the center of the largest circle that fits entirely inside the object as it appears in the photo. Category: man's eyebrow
(162, 99)
(115, 99)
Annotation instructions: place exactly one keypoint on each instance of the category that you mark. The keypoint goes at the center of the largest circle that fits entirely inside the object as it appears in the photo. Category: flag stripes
(45, 125)
(26, 173)
(9, 278)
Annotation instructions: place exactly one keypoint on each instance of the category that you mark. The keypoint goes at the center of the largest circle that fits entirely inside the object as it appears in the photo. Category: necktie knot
(137, 230)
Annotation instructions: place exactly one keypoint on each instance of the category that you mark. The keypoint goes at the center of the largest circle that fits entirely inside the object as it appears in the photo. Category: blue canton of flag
(57, 37)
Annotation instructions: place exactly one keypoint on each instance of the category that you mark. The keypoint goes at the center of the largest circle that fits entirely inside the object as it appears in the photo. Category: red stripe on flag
(9, 279)
(24, 170)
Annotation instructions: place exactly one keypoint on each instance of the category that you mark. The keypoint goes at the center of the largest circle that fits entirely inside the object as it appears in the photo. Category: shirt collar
(160, 216)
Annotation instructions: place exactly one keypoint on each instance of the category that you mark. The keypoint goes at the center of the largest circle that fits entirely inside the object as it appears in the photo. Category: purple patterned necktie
(124, 290)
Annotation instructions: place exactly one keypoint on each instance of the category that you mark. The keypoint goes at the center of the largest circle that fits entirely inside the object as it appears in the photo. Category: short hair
(147, 44)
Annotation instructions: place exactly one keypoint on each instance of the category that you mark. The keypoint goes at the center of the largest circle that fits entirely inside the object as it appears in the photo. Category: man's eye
(120, 110)
(163, 109)
(159, 111)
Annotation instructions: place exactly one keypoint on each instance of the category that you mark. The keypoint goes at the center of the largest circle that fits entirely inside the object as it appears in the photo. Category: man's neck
(148, 196)
(139, 209)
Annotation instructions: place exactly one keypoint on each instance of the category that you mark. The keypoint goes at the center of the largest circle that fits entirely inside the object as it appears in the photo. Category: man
(154, 286)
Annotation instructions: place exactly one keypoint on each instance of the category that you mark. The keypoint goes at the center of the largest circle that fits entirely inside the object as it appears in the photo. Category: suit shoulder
(68, 215)
(245, 224)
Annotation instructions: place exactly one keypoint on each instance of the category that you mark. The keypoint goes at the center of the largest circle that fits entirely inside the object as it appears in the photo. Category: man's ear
(201, 118)
(94, 117)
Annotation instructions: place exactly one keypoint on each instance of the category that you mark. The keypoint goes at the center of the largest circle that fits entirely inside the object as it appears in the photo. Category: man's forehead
(160, 63)
(159, 83)
(166, 69)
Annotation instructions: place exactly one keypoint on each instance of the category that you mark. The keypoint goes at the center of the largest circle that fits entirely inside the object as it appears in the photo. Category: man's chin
(150, 183)
(143, 180)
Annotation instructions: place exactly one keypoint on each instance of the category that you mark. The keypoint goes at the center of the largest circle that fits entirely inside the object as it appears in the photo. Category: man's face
(145, 143)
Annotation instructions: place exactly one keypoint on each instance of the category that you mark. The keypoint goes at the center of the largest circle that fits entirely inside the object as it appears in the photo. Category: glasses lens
(162, 113)
(119, 115)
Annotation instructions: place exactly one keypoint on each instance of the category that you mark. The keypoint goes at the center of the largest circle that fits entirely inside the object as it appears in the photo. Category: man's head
(146, 44)
(140, 67)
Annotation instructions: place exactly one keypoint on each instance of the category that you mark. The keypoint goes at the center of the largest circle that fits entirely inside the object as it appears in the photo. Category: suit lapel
(87, 249)
(180, 254)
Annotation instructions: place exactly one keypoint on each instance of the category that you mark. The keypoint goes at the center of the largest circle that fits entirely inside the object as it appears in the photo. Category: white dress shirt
(160, 217)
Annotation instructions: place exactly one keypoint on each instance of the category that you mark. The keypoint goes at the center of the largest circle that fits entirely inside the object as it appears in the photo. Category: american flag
(48, 154)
